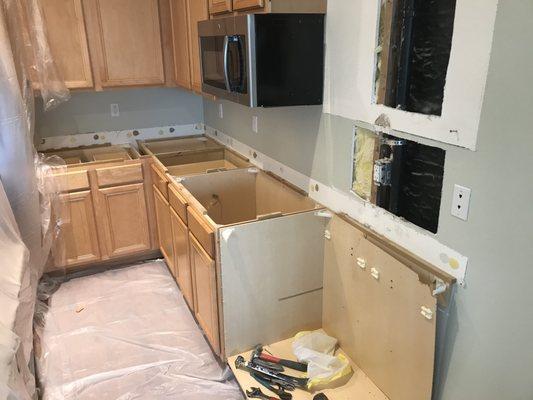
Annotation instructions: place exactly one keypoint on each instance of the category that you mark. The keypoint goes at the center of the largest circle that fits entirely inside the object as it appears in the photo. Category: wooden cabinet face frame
(164, 227)
(182, 263)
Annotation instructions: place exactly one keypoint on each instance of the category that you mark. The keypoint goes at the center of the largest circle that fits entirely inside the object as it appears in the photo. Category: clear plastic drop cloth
(124, 334)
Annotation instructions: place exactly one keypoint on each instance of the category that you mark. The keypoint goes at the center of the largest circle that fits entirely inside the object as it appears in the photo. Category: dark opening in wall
(415, 40)
(401, 176)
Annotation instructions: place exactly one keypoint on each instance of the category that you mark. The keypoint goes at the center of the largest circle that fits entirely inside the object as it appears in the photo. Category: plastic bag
(317, 349)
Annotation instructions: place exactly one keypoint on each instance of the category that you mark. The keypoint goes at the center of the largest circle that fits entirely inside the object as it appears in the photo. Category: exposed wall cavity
(401, 176)
(415, 40)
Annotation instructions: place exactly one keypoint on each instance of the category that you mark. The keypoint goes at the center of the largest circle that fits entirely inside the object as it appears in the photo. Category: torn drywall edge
(458, 125)
(119, 137)
(393, 228)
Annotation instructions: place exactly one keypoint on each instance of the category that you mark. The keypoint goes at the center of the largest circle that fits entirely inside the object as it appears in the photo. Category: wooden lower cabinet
(164, 228)
(78, 240)
(205, 292)
(122, 211)
(182, 264)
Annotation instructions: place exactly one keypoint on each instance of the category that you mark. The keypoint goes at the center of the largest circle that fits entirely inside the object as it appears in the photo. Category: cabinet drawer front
(160, 181)
(202, 231)
(73, 181)
(178, 202)
(120, 175)
(247, 4)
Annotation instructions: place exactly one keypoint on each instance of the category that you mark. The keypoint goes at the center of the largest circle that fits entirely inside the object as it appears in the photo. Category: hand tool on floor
(274, 387)
(262, 355)
(256, 393)
(241, 363)
(267, 364)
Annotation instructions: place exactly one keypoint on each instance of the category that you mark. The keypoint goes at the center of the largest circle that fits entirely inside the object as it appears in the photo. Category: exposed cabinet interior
(244, 195)
(67, 38)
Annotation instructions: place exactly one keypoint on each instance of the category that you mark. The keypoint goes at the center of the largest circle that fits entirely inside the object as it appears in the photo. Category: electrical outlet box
(220, 111)
(255, 124)
(461, 202)
(115, 110)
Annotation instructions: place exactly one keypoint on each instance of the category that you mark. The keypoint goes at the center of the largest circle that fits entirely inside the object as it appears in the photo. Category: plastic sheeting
(124, 334)
(25, 215)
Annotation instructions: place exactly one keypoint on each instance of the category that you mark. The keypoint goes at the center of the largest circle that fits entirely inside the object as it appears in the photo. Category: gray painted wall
(489, 351)
(89, 112)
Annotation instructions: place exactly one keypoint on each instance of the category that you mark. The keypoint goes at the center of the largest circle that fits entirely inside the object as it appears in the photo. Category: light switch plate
(115, 110)
(461, 202)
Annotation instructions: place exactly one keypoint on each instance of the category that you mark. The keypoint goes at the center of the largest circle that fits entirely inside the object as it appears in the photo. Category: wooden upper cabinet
(67, 38)
(179, 12)
(220, 6)
(78, 240)
(247, 4)
(122, 213)
(127, 41)
(198, 11)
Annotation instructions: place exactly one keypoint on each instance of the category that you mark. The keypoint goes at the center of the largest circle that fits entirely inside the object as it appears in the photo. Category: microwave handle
(226, 62)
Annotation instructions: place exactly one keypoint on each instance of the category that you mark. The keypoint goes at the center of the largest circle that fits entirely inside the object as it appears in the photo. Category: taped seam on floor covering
(124, 334)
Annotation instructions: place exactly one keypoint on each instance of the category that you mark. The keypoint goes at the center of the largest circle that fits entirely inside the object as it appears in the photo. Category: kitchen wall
(488, 353)
(88, 112)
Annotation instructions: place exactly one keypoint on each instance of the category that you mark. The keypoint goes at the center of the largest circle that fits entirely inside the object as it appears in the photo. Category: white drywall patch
(350, 55)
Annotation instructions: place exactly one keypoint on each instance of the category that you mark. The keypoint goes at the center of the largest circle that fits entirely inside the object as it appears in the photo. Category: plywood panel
(271, 275)
(378, 321)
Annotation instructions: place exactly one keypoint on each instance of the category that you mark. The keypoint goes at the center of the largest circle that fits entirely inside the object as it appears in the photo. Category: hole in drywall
(255, 154)
(413, 53)
(399, 175)
(317, 188)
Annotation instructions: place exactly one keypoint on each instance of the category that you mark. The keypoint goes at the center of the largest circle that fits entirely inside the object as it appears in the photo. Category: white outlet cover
(461, 202)
(255, 124)
(115, 110)
(220, 111)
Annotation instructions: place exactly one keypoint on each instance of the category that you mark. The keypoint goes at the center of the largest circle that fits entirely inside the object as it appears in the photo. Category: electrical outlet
(255, 124)
(220, 111)
(461, 202)
(115, 111)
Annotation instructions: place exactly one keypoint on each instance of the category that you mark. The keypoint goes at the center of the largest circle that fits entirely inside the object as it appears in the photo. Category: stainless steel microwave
(264, 60)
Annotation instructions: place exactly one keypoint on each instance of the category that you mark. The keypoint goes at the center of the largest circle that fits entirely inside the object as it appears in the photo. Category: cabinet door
(220, 6)
(78, 239)
(180, 42)
(205, 292)
(129, 40)
(164, 228)
(247, 4)
(67, 38)
(197, 12)
(122, 213)
(182, 265)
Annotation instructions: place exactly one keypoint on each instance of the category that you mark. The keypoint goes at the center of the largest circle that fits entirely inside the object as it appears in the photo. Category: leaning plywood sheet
(271, 276)
(383, 316)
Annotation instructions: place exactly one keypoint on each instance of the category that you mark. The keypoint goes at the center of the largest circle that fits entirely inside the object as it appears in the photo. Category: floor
(125, 334)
